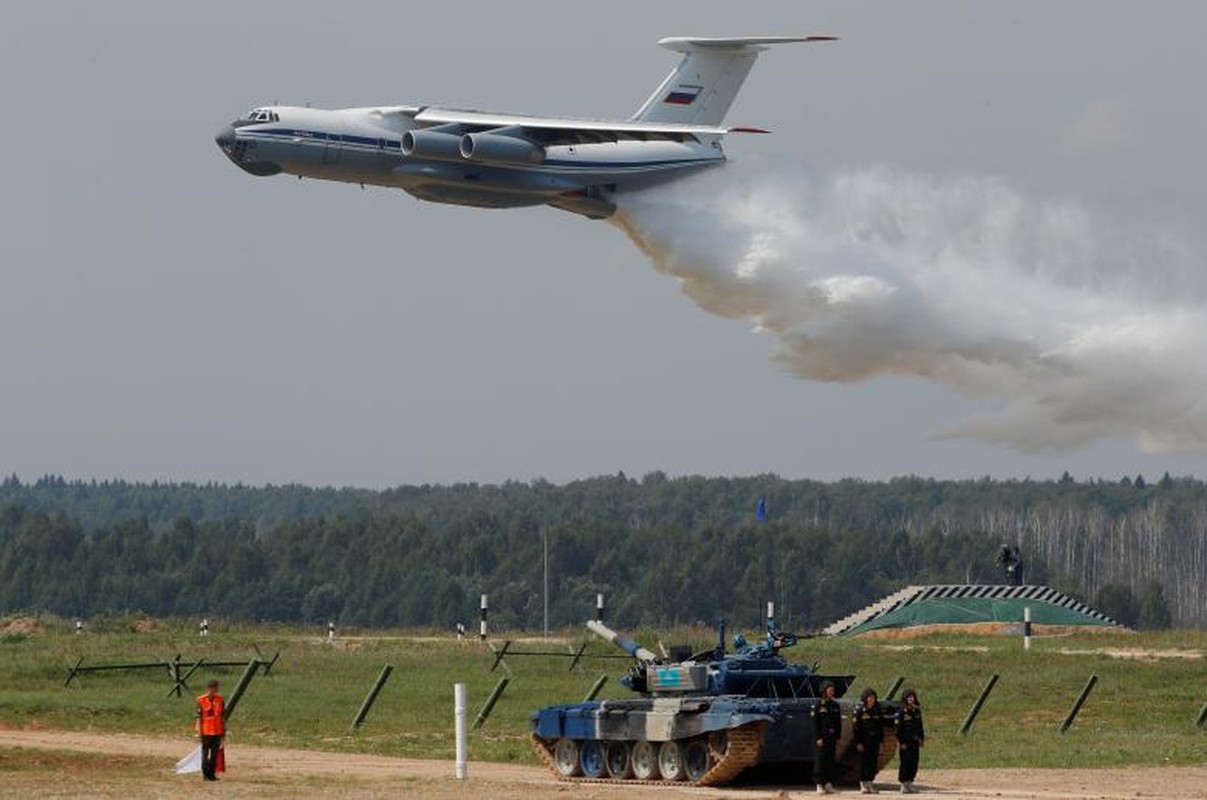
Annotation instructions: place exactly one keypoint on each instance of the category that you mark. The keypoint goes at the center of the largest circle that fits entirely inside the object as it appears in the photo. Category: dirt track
(146, 770)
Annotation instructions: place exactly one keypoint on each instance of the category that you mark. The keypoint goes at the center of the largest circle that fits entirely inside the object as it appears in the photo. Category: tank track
(741, 751)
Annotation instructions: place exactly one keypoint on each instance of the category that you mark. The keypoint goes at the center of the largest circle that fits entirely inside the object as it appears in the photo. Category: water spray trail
(1068, 329)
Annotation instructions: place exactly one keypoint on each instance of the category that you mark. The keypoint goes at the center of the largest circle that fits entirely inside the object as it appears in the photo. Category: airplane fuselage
(398, 147)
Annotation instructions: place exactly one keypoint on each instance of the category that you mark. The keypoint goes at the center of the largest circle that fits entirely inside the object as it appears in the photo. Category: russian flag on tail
(683, 95)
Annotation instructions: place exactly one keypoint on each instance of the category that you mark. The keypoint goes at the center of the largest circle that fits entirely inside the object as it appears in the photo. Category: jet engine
(500, 148)
(432, 143)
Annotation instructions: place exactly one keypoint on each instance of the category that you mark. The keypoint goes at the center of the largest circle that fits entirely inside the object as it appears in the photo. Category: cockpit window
(262, 115)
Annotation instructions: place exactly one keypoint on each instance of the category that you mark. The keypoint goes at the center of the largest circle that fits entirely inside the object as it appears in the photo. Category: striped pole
(482, 618)
(1027, 628)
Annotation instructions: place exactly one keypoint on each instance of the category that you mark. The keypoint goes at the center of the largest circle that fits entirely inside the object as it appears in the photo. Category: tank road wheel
(696, 761)
(645, 761)
(618, 758)
(670, 761)
(565, 758)
(591, 758)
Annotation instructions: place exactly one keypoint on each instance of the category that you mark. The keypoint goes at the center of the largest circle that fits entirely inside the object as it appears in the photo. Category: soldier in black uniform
(869, 733)
(827, 726)
(1008, 562)
(910, 737)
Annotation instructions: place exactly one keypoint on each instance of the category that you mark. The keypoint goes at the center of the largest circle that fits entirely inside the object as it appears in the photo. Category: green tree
(1118, 603)
(322, 603)
(1154, 613)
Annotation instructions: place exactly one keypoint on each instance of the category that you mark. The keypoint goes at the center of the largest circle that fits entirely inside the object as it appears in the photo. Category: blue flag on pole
(760, 513)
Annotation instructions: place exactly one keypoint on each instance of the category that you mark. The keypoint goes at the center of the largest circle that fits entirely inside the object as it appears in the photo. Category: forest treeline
(663, 550)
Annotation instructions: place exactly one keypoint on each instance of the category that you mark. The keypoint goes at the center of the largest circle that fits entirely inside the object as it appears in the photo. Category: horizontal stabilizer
(689, 44)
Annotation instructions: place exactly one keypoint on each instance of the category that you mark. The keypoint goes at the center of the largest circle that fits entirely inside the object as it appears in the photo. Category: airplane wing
(554, 131)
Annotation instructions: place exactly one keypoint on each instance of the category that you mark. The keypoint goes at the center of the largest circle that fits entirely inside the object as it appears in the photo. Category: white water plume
(1068, 329)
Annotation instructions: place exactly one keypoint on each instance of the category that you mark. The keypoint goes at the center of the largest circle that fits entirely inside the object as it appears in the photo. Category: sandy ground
(54, 764)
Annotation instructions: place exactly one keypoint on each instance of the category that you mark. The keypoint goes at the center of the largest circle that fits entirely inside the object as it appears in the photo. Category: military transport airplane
(488, 160)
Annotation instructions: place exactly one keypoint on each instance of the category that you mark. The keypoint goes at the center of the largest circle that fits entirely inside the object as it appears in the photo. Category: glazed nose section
(247, 154)
(226, 139)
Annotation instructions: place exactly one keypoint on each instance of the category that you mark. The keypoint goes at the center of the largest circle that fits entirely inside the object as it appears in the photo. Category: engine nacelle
(432, 143)
(493, 148)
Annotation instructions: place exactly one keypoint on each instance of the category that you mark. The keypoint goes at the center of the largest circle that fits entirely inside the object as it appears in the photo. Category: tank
(705, 719)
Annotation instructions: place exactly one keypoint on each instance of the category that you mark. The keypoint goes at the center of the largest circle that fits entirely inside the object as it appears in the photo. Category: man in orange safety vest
(212, 727)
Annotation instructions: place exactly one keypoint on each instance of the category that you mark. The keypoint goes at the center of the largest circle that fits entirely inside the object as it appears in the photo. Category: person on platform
(211, 726)
(910, 737)
(827, 726)
(1007, 561)
(869, 733)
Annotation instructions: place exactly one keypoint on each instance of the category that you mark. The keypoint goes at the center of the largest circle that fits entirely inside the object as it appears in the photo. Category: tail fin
(702, 88)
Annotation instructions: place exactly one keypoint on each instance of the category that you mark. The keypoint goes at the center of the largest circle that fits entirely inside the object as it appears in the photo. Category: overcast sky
(165, 316)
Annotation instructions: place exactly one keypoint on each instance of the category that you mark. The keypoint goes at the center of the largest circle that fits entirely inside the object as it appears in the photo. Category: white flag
(190, 763)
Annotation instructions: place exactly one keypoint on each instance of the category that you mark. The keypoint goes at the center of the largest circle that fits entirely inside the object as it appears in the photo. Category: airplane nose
(226, 138)
(237, 152)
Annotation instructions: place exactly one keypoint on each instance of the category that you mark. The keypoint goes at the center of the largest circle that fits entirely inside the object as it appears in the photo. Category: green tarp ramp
(970, 605)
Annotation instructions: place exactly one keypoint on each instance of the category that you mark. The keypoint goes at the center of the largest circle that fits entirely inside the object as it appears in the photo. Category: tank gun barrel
(624, 643)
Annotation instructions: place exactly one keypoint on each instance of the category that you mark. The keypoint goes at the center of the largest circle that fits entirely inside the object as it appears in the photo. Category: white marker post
(599, 607)
(1027, 627)
(482, 619)
(770, 614)
(459, 723)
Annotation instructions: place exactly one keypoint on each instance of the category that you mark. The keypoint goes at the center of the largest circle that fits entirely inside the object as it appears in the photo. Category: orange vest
(209, 715)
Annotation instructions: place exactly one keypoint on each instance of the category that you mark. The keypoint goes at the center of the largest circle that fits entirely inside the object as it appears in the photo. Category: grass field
(1141, 712)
